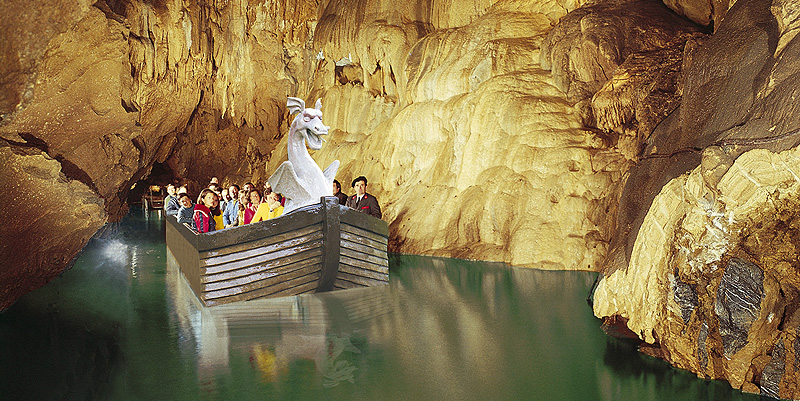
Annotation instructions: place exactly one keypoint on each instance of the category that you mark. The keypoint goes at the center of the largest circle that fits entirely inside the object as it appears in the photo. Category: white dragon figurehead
(308, 124)
(300, 179)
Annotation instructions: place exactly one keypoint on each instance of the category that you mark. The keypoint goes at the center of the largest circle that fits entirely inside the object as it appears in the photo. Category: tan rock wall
(692, 231)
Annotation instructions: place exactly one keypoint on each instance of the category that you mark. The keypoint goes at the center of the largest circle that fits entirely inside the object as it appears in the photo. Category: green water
(122, 324)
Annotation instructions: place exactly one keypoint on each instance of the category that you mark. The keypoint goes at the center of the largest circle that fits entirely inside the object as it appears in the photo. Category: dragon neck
(297, 152)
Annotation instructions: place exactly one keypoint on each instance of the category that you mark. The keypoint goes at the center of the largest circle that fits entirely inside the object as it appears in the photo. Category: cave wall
(656, 142)
(480, 110)
(703, 267)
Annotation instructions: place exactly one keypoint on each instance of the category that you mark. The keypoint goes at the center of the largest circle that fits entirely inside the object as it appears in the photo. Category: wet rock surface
(738, 303)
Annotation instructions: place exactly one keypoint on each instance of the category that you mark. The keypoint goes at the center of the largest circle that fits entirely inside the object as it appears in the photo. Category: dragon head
(308, 124)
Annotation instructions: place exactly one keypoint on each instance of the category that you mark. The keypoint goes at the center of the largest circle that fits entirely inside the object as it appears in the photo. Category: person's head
(214, 180)
(185, 200)
(208, 198)
(337, 187)
(267, 188)
(214, 187)
(274, 200)
(171, 189)
(225, 194)
(233, 191)
(360, 185)
(255, 196)
(183, 190)
(249, 187)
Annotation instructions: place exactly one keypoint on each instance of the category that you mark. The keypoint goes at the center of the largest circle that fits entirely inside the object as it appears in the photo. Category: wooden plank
(330, 246)
(346, 285)
(357, 271)
(364, 221)
(364, 264)
(268, 257)
(300, 284)
(275, 281)
(184, 252)
(359, 232)
(261, 275)
(363, 257)
(363, 240)
(286, 242)
(303, 217)
(365, 249)
(274, 239)
(315, 254)
(359, 281)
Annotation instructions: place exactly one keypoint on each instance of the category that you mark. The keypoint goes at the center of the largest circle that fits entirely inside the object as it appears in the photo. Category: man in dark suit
(362, 201)
(337, 192)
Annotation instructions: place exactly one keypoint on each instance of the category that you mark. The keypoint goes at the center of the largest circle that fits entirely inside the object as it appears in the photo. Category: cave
(650, 141)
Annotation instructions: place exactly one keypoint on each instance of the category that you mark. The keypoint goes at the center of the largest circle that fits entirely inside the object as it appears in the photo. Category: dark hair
(212, 187)
(180, 196)
(250, 184)
(234, 186)
(202, 195)
(360, 178)
(338, 185)
(250, 194)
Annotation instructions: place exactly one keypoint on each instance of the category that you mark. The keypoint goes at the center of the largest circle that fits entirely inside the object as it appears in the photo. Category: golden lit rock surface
(39, 199)
(706, 272)
(457, 107)
(675, 291)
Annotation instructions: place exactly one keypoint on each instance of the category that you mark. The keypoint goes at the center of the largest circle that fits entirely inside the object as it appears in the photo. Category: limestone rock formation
(490, 129)
(704, 264)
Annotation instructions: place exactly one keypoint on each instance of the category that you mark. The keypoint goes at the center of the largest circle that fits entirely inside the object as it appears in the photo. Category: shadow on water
(124, 324)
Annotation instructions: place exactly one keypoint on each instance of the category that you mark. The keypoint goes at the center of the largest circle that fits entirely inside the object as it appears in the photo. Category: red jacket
(202, 221)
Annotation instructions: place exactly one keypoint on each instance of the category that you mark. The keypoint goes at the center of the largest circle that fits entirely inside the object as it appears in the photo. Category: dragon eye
(306, 118)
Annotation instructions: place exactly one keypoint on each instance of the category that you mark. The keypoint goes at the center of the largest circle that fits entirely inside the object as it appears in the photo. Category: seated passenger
(216, 212)
(255, 199)
(275, 202)
(186, 210)
(337, 192)
(171, 205)
(243, 203)
(270, 209)
(202, 219)
(362, 201)
(229, 215)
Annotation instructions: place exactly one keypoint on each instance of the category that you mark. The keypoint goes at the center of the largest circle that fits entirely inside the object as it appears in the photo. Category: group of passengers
(219, 208)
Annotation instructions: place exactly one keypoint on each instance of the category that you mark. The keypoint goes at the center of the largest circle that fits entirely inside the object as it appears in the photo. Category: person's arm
(226, 216)
(375, 208)
(172, 206)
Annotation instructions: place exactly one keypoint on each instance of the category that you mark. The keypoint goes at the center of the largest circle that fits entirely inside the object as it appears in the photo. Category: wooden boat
(316, 248)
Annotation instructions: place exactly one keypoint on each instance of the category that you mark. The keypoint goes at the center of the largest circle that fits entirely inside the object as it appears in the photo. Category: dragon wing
(330, 171)
(284, 181)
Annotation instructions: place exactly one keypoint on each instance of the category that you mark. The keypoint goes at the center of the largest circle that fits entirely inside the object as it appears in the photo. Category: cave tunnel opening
(153, 186)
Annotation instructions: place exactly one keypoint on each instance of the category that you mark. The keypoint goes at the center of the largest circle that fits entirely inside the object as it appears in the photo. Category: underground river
(122, 324)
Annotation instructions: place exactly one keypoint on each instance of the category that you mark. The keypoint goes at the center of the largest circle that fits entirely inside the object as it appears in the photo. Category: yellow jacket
(263, 212)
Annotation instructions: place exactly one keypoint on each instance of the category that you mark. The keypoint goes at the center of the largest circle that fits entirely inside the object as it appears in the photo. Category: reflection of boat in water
(316, 248)
(275, 331)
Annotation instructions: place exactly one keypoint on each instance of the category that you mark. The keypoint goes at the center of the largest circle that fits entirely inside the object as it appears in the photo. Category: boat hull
(317, 248)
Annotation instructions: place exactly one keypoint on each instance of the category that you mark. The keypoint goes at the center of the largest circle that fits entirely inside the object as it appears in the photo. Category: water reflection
(275, 332)
(123, 324)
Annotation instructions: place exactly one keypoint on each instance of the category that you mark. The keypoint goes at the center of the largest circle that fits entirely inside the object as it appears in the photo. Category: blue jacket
(171, 205)
(231, 213)
(185, 214)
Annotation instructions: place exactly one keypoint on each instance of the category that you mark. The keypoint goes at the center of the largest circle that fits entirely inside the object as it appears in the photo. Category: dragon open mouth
(314, 141)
